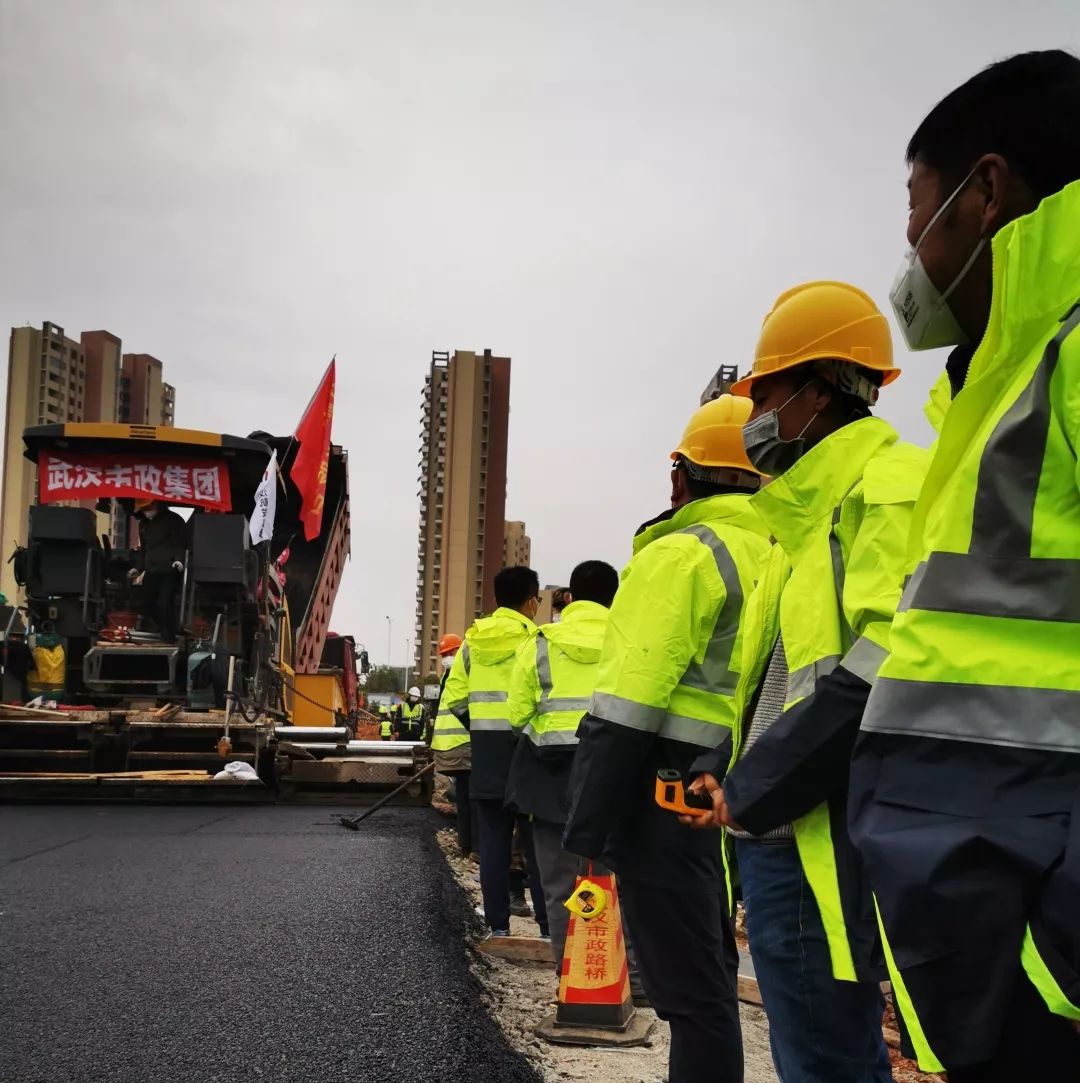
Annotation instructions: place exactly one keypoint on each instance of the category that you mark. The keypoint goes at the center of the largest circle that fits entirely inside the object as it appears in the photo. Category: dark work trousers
(159, 600)
(1034, 1045)
(496, 826)
(466, 813)
(689, 963)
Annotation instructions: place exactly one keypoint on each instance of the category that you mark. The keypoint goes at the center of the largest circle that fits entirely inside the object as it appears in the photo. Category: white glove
(178, 565)
(138, 580)
(132, 573)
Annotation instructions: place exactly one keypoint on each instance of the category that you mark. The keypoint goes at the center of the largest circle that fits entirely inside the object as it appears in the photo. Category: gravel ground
(521, 995)
(140, 945)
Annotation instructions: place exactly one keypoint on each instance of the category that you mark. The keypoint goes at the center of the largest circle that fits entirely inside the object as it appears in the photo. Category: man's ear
(1002, 195)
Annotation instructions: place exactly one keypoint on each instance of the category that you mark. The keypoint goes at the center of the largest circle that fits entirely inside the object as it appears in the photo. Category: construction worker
(452, 750)
(386, 722)
(474, 705)
(550, 690)
(159, 562)
(412, 716)
(965, 780)
(665, 694)
(839, 507)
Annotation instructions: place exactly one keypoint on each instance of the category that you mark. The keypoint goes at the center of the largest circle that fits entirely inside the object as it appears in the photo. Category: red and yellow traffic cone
(595, 1005)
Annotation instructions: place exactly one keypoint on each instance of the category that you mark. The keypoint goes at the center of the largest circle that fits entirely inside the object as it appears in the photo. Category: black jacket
(162, 540)
(539, 781)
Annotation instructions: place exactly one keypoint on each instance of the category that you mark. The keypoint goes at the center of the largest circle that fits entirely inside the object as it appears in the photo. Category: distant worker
(560, 599)
(474, 705)
(412, 716)
(665, 694)
(549, 693)
(386, 722)
(159, 562)
(453, 756)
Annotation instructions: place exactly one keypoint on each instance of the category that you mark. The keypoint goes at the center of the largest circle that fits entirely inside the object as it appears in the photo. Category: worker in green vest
(412, 716)
(474, 713)
(665, 694)
(965, 798)
(817, 627)
(386, 722)
(553, 681)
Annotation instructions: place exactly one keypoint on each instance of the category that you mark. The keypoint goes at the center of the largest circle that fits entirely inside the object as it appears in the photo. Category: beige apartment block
(53, 379)
(517, 547)
(462, 490)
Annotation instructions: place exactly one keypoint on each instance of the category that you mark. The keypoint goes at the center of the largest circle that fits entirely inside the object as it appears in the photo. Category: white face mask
(921, 309)
(150, 513)
(447, 660)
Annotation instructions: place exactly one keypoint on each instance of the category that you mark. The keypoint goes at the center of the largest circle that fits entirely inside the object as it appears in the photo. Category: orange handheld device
(672, 795)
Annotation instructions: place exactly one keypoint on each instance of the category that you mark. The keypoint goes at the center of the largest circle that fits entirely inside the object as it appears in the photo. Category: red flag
(310, 464)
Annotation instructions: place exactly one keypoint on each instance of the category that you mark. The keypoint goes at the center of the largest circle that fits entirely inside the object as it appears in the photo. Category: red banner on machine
(201, 482)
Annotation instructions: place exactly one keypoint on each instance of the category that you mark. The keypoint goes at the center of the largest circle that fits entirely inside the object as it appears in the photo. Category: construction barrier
(595, 1005)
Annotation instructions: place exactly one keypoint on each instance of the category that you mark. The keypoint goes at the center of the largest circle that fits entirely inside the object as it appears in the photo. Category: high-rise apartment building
(53, 379)
(719, 385)
(517, 546)
(462, 490)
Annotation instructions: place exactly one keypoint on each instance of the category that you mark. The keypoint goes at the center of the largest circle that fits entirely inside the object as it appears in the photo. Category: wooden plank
(212, 754)
(35, 712)
(518, 949)
(748, 990)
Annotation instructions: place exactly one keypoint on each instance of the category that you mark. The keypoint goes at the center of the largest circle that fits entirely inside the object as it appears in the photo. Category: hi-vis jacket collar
(731, 508)
(580, 633)
(493, 639)
(1036, 269)
(800, 498)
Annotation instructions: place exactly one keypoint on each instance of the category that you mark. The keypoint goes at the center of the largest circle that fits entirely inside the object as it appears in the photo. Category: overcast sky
(612, 193)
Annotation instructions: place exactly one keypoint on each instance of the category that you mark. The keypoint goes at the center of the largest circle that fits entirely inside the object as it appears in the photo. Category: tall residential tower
(462, 490)
(53, 379)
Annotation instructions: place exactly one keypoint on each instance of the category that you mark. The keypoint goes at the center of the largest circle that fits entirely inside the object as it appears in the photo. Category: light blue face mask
(766, 449)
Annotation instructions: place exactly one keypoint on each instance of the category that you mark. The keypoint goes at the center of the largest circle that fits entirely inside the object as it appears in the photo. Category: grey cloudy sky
(613, 193)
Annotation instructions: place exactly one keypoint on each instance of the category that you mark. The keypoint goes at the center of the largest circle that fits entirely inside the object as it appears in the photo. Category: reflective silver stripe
(911, 587)
(836, 551)
(713, 673)
(1022, 588)
(638, 716)
(563, 703)
(551, 737)
(801, 682)
(1012, 461)
(864, 659)
(457, 730)
(543, 665)
(693, 731)
(1045, 718)
(466, 659)
(458, 709)
(489, 725)
(488, 697)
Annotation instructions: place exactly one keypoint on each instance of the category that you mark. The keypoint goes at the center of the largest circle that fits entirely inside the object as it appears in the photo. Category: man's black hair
(1025, 108)
(515, 586)
(594, 581)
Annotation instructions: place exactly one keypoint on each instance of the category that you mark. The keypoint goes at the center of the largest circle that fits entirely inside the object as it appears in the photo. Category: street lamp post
(389, 632)
(408, 661)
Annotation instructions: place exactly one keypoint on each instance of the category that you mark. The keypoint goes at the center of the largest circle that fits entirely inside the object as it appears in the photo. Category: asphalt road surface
(188, 944)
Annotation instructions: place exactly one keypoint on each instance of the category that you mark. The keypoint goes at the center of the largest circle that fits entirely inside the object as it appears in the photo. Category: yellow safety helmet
(713, 435)
(820, 321)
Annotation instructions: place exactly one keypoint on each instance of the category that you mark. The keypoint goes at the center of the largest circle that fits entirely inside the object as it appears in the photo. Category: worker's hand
(132, 573)
(138, 580)
(178, 565)
(720, 816)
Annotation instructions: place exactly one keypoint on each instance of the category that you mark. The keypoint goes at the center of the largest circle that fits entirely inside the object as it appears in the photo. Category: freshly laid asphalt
(146, 944)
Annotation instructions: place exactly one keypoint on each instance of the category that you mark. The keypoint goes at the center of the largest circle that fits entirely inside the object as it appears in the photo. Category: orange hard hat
(713, 436)
(449, 642)
(822, 321)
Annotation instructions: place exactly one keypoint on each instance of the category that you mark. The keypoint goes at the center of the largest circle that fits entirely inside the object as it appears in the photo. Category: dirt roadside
(521, 994)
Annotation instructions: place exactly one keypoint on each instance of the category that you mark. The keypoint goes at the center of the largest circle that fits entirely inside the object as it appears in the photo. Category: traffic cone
(595, 1005)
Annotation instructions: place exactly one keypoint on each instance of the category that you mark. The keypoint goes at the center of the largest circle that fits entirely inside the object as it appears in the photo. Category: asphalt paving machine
(98, 704)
